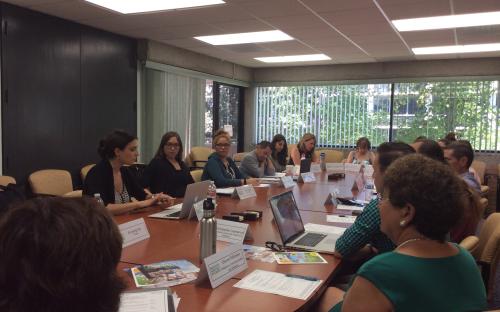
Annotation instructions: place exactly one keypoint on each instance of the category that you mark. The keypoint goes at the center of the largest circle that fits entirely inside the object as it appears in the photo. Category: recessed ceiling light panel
(294, 58)
(249, 37)
(469, 48)
(448, 21)
(142, 6)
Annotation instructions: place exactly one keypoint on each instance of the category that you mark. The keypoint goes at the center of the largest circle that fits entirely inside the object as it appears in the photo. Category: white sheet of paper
(245, 191)
(230, 231)
(151, 300)
(340, 218)
(348, 207)
(279, 284)
(315, 168)
(229, 129)
(308, 177)
(225, 191)
(287, 182)
(223, 265)
(279, 174)
(133, 232)
(319, 228)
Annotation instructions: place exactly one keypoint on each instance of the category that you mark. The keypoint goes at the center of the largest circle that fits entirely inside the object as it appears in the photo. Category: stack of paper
(155, 300)
(279, 284)
(319, 228)
(340, 218)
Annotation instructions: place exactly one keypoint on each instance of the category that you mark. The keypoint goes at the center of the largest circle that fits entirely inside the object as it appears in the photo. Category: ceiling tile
(362, 29)
(353, 17)
(413, 9)
(337, 5)
(343, 52)
(273, 8)
(249, 25)
(468, 6)
(475, 35)
(73, 10)
(429, 38)
(289, 47)
(299, 21)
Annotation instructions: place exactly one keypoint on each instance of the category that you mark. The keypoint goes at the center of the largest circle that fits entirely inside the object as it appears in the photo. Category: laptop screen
(286, 214)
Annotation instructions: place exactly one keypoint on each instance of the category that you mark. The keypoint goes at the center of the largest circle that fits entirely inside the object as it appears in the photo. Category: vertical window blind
(339, 114)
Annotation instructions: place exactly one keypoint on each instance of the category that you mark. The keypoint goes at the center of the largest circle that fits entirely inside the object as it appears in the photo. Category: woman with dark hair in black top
(167, 172)
(279, 152)
(110, 178)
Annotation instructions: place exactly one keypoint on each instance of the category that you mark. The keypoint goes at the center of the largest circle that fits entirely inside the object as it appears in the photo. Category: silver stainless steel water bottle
(208, 230)
(322, 162)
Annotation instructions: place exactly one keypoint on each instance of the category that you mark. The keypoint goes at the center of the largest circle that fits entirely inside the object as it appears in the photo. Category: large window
(223, 110)
(339, 114)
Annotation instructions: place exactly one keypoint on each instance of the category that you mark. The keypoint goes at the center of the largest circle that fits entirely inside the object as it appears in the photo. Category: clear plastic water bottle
(208, 230)
(322, 162)
(98, 199)
(212, 192)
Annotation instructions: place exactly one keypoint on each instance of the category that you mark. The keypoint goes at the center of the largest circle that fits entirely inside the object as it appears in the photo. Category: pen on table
(307, 278)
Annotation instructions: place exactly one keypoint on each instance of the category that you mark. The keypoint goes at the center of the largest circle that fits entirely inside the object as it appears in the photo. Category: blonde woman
(220, 168)
(305, 149)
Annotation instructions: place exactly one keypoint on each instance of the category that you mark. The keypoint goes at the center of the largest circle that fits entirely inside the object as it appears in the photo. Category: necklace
(409, 241)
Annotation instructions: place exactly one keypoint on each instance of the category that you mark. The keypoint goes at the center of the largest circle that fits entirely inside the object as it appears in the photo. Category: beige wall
(165, 54)
(393, 71)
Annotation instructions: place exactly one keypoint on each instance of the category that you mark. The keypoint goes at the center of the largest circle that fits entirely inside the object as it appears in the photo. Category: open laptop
(194, 193)
(291, 229)
(305, 166)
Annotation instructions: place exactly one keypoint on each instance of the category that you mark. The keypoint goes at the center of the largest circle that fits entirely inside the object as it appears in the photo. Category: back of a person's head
(451, 136)
(59, 254)
(461, 149)
(431, 149)
(115, 139)
(389, 151)
(420, 138)
(432, 188)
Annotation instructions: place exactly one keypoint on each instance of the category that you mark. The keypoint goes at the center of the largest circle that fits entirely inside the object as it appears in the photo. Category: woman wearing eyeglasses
(220, 168)
(167, 172)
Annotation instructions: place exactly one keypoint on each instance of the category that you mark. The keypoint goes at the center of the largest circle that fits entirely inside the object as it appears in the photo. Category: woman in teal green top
(422, 201)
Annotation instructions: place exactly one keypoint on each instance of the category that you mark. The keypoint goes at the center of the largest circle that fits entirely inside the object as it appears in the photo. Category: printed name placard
(244, 192)
(307, 177)
(287, 182)
(133, 232)
(335, 167)
(331, 199)
(223, 265)
(197, 211)
(232, 232)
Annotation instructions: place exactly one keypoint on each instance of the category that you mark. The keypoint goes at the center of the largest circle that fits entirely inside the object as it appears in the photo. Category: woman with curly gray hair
(422, 201)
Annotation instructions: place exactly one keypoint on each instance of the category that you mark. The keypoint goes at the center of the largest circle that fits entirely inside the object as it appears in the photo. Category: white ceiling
(349, 31)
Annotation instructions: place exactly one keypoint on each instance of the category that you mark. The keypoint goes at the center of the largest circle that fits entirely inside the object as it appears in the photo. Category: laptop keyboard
(310, 239)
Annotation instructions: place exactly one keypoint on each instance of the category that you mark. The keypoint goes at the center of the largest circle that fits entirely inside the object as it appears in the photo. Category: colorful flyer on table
(307, 257)
(164, 274)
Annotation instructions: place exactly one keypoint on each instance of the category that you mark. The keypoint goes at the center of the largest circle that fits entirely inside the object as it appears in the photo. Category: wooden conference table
(179, 239)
